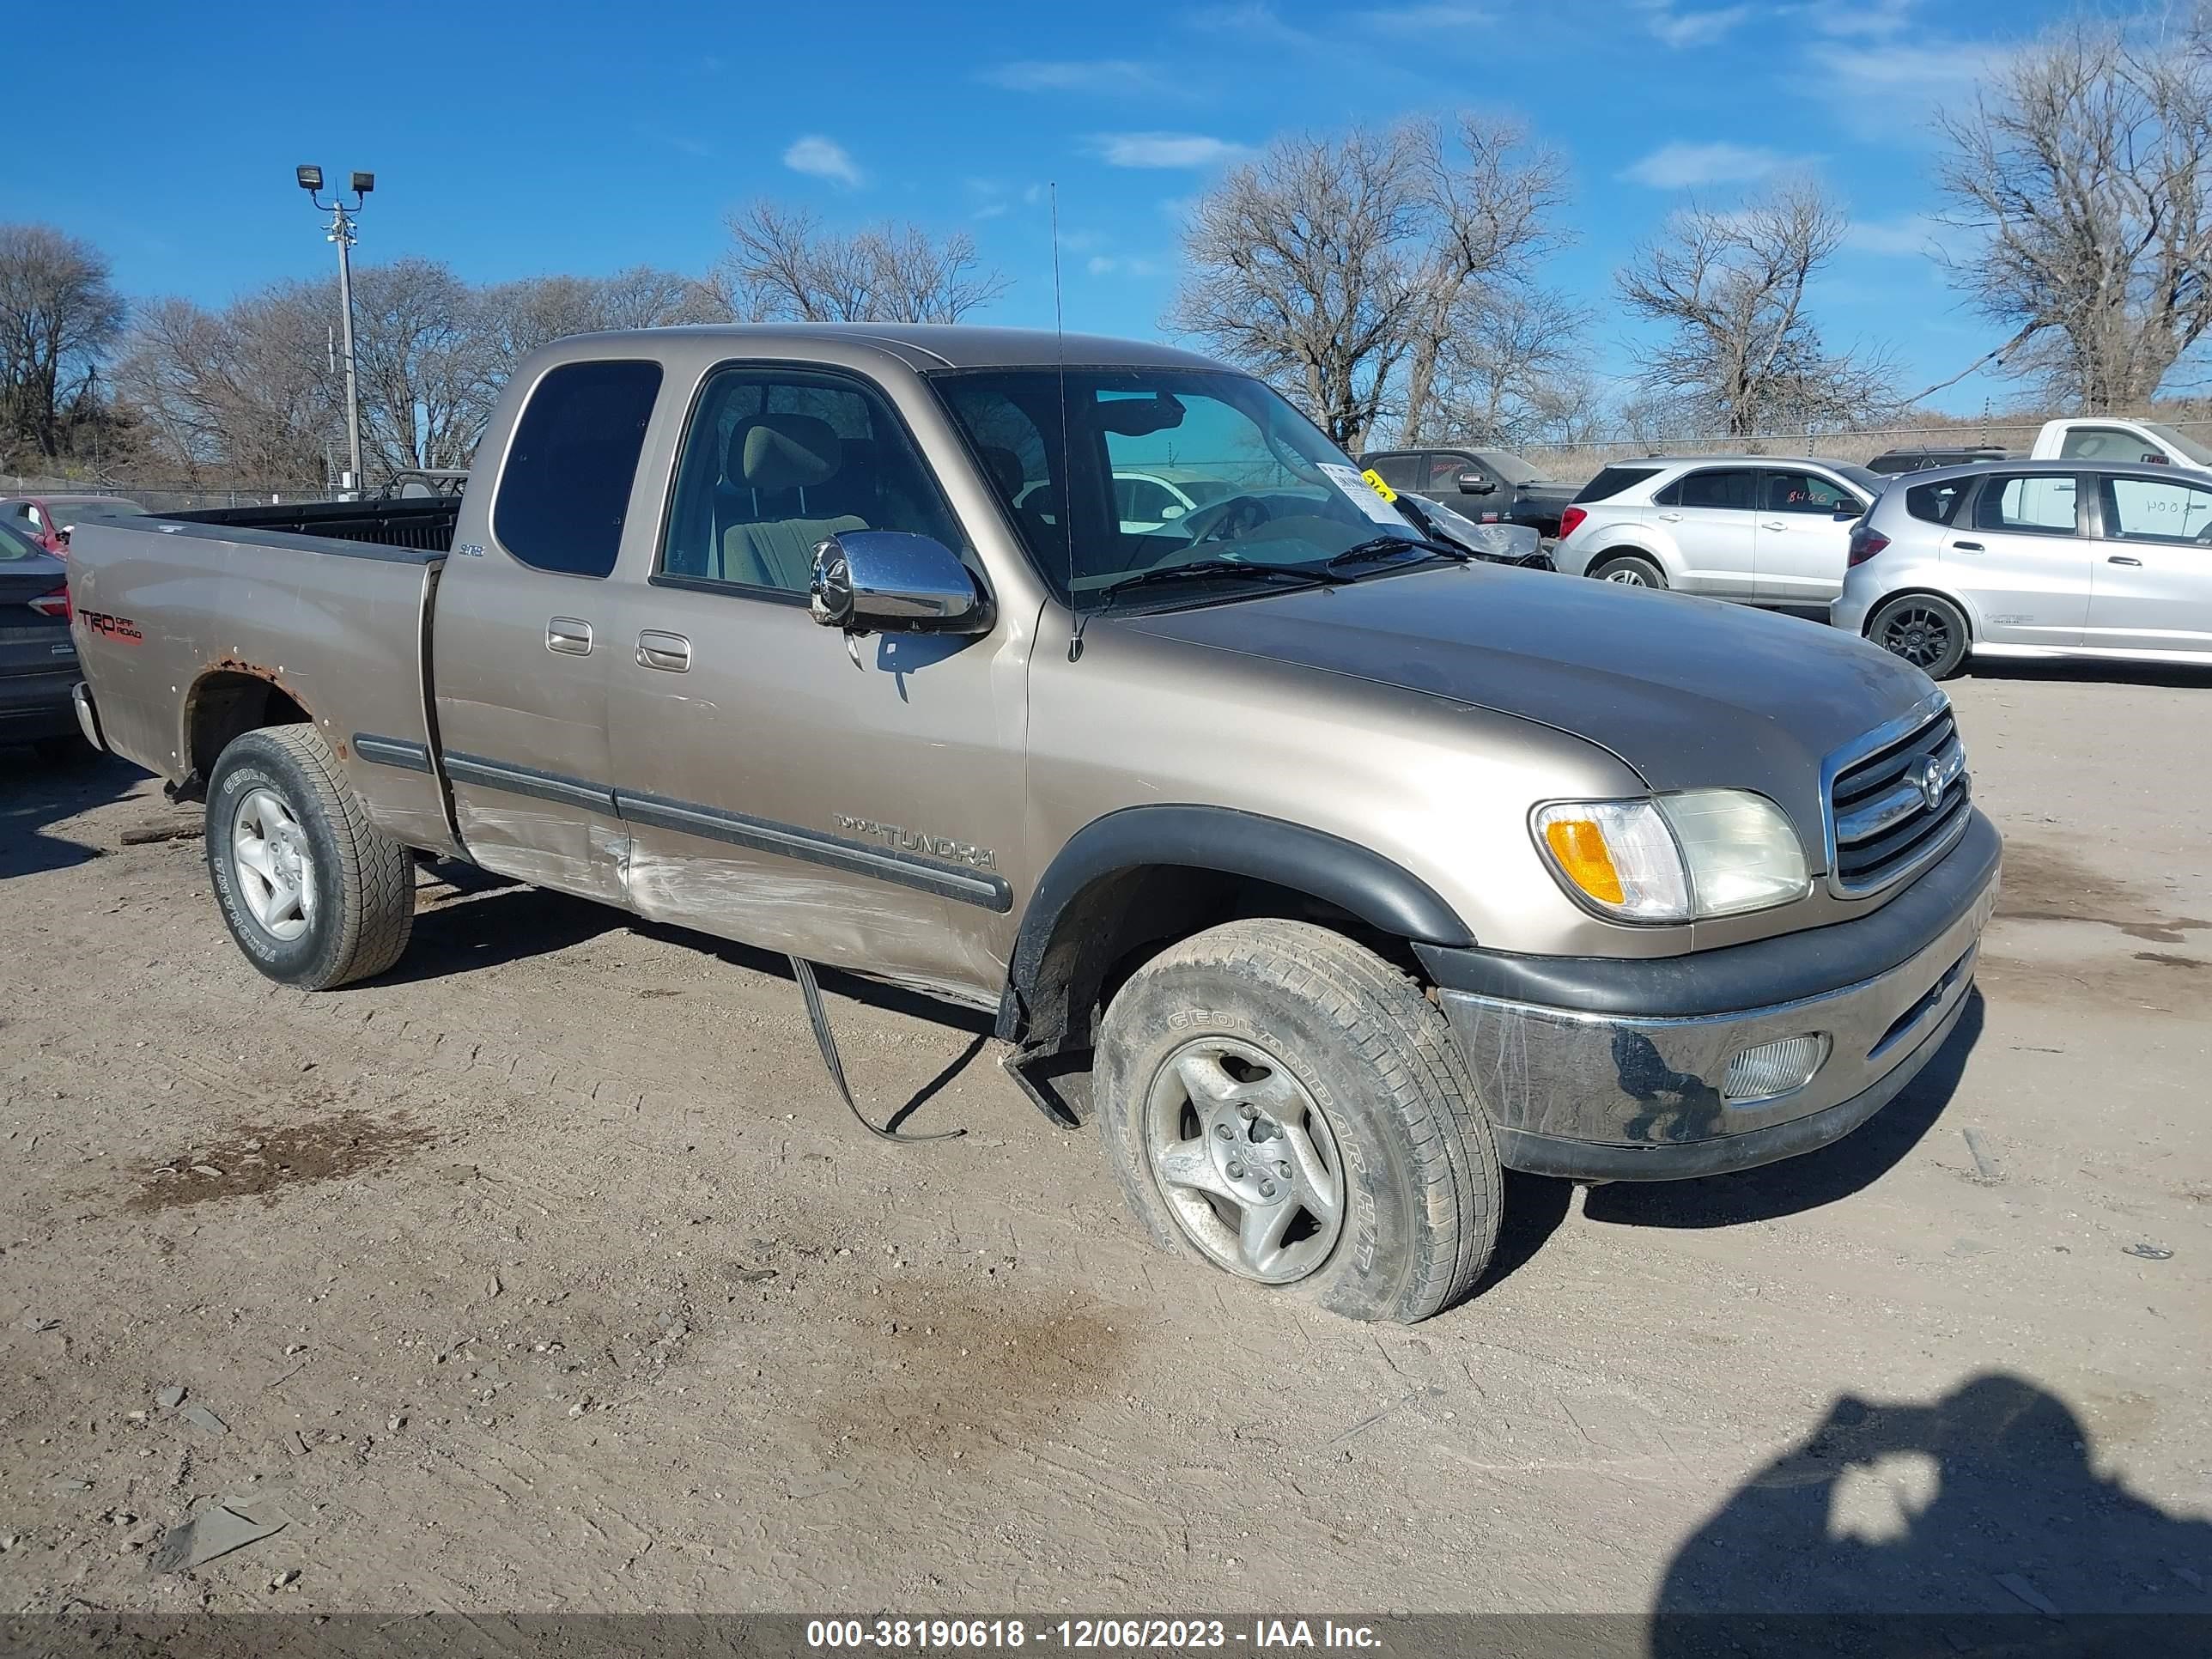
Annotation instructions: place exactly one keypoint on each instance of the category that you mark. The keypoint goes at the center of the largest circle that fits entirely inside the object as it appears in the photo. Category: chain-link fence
(1574, 462)
(169, 497)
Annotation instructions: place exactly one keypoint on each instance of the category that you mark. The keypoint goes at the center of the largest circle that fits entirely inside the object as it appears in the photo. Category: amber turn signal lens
(1578, 845)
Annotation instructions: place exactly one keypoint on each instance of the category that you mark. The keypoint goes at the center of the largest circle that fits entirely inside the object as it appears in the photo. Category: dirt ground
(547, 1273)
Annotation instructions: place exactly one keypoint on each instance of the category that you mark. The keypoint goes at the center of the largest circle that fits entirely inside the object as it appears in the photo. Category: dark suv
(1493, 486)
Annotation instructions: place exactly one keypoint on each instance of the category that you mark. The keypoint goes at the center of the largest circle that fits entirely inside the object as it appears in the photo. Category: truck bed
(182, 619)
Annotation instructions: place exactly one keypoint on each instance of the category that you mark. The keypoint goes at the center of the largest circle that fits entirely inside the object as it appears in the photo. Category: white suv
(1760, 529)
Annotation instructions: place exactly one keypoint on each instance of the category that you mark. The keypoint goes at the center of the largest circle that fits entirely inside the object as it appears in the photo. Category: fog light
(1773, 1068)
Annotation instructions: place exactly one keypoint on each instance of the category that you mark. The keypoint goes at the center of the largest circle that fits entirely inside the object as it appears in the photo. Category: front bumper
(1587, 1084)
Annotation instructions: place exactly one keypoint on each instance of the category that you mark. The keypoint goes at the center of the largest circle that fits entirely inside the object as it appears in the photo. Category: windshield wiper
(1392, 542)
(1306, 575)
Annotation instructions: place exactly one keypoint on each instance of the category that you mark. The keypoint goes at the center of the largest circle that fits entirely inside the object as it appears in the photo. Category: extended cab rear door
(523, 628)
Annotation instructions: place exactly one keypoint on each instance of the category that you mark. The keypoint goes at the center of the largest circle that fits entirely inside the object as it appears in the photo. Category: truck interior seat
(778, 479)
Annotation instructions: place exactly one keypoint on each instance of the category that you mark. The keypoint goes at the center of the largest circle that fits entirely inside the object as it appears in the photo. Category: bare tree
(59, 315)
(783, 266)
(1302, 266)
(245, 394)
(1511, 373)
(1489, 205)
(521, 316)
(2082, 170)
(420, 355)
(1730, 289)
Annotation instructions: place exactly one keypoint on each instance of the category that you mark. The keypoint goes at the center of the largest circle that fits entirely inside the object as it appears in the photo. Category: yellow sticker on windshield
(1380, 488)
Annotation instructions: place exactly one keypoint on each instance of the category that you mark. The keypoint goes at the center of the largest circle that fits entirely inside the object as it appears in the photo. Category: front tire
(1929, 633)
(1282, 1104)
(314, 894)
(1629, 570)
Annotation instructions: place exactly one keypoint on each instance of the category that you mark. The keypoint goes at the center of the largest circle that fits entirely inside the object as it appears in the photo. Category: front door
(1711, 515)
(855, 802)
(1803, 536)
(2023, 557)
(523, 629)
(2150, 585)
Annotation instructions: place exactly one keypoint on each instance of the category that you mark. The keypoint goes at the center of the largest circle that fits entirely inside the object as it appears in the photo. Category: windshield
(1509, 466)
(1873, 483)
(2179, 442)
(1266, 486)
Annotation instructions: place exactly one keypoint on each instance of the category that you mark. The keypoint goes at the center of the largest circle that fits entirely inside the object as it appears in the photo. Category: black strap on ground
(818, 1017)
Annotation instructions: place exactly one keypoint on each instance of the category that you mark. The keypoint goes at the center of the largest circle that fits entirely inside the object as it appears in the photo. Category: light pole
(341, 231)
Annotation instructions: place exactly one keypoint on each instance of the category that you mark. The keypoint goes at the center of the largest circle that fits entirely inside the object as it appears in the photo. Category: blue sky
(511, 141)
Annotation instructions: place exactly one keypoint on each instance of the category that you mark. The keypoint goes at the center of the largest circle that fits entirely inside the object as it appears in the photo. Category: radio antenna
(1067, 474)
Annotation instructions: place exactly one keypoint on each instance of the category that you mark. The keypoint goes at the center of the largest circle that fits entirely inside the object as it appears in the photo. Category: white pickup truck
(2102, 438)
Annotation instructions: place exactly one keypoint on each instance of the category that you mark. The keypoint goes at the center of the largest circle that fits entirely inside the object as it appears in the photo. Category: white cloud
(1855, 17)
(1889, 93)
(1679, 165)
(1697, 28)
(823, 158)
(1423, 20)
(1100, 265)
(1164, 150)
(1904, 238)
(1102, 75)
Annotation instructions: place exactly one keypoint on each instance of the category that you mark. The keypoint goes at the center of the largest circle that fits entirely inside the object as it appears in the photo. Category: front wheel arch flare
(1102, 859)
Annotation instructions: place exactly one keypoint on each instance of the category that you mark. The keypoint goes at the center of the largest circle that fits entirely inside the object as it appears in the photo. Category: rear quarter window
(1612, 481)
(1936, 502)
(565, 489)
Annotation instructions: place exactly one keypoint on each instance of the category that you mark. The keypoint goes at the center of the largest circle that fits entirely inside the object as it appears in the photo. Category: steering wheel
(1225, 520)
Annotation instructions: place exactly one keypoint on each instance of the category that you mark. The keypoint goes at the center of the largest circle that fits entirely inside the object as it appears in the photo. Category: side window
(1723, 487)
(775, 463)
(2040, 504)
(1144, 500)
(2154, 510)
(1935, 503)
(1807, 492)
(1399, 472)
(565, 488)
(2107, 443)
(1444, 474)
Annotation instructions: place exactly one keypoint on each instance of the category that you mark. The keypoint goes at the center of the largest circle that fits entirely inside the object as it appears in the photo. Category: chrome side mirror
(1471, 482)
(893, 582)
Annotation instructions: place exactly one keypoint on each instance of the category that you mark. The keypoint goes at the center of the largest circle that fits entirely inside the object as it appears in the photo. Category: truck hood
(1690, 693)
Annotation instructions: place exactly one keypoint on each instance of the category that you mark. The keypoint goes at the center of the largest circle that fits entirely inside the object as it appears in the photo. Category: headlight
(1675, 858)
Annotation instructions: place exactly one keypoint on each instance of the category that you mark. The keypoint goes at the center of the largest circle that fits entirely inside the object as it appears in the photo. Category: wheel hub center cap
(1252, 1157)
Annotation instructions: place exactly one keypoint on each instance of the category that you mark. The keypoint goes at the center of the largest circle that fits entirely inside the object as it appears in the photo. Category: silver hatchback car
(2035, 559)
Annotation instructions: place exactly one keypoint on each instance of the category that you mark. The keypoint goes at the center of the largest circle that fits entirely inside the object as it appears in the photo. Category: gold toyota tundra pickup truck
(1356, 869)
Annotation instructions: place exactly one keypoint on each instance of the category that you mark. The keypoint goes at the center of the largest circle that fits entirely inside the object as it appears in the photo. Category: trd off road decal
(114, 627)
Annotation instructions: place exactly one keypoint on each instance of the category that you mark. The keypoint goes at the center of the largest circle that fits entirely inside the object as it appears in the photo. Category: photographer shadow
(1976, 1522)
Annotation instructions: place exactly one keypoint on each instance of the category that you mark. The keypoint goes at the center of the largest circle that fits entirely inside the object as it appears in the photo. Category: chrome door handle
(1772, 524)
(1671, 517)
(671, 651)
(2121, 558)
(1965, 547)
(570, 634)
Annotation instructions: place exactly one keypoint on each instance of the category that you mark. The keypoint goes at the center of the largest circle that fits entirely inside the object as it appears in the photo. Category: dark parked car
(1925, 459)
(38, 660)
(1492, 486)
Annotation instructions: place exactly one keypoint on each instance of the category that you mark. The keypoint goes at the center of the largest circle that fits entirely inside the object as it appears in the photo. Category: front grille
(1882, 829)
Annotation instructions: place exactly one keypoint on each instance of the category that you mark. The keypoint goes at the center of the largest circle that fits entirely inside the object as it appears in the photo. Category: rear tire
(1273, 1078)
(315, 894)
(1628, 570)
(1929, 632)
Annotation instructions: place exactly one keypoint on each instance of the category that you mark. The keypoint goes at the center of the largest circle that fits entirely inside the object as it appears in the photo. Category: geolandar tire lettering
(1282, 1104)
(314, 895)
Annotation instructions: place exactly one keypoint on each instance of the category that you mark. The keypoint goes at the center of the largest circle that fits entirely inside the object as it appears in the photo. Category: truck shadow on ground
(36, 793)
(1976, 1522)
(1806, 1182)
